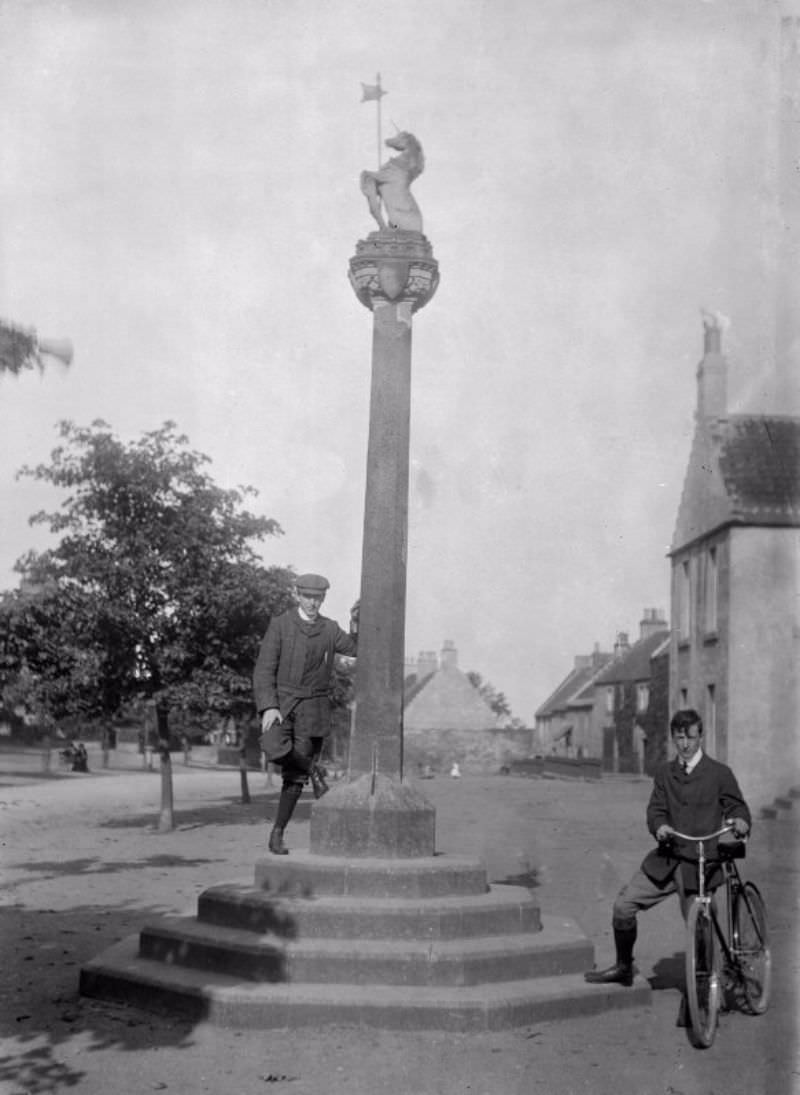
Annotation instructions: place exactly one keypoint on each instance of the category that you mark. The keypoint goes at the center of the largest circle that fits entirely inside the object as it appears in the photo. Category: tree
(169, 595)
(21, 348)
(496, 700)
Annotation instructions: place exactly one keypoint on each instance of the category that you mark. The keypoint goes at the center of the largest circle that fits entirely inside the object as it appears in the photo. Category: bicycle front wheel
(751, 947)
(702, 973)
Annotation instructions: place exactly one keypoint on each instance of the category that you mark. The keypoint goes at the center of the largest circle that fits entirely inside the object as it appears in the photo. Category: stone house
(735, 555)
(564, 721)
(447, 720)
(626, 715)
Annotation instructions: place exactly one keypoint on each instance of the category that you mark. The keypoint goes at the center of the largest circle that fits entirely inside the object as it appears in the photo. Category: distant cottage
(612, 705)
(446, 720)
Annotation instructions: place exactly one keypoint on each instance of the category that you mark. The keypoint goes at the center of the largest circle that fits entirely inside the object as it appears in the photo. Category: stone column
(393, 274)
(375, 814)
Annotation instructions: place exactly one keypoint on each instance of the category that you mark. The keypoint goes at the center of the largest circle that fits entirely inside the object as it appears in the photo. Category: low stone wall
(558, 767)
(229, 755)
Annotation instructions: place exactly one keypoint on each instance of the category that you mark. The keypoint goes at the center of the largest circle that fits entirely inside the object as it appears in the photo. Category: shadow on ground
(94, 865)
(219, 813)
(47, 1027)
(529, 879)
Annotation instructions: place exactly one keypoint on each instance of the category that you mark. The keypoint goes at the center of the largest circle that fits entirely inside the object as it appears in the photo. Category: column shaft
(378, 722)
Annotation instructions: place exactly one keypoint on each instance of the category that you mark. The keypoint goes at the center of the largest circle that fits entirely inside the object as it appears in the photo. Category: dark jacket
(295, 660)
(697, 802)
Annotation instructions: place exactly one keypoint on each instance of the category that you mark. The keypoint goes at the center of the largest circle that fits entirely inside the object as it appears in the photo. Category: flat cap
(311, 583)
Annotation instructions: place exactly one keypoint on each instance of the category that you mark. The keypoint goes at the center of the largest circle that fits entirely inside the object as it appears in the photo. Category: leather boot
(621, 973)
(318, 784)
(276, 845)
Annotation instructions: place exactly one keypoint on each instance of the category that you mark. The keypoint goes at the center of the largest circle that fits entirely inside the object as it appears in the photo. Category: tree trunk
(166, 819)
(243, 771)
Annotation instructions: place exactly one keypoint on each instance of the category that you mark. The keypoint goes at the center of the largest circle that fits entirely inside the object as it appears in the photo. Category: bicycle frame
(706, 984)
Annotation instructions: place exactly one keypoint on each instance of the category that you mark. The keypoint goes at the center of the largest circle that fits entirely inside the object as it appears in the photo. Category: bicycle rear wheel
(751, 947)
(702, 974)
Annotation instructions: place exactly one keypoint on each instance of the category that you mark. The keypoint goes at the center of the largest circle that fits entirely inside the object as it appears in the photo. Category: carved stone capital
(393, 266)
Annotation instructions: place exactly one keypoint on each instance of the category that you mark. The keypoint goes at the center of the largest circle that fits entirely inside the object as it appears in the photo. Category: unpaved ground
(84, 866)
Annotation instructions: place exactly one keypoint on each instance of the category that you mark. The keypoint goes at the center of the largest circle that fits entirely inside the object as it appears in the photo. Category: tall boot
(318, 784)
(309, 767)
(290, 793)
(621, 973)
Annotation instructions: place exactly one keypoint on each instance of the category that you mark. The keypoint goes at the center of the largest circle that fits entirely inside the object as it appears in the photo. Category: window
(642, 697)
(609, 701)
(710, 591)
(684, 601)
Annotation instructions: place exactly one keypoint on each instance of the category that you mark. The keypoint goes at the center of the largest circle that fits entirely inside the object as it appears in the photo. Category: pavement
(85, 865)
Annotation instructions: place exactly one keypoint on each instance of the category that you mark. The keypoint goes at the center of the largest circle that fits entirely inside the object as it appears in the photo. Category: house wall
(448, 720)
(752, 659)
(601, 726)
(764, 661)
(655, 720)
(475, 751)
(699, 659)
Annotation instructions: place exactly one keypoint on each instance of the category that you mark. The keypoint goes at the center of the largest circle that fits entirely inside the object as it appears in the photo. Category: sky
(179, 197)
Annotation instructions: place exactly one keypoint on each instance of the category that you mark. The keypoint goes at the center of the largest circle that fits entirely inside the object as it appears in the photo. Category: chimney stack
(427, 663)
(449, 655)
(621, 646)
(651, 622)
(712, 372)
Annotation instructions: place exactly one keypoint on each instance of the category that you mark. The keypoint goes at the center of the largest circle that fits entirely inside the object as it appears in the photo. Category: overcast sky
(179, 186)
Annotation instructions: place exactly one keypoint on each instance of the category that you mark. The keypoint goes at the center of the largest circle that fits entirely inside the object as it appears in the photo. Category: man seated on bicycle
(691, 794)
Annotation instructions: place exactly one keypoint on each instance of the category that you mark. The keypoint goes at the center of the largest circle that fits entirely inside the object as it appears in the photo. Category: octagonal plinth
(373, 817)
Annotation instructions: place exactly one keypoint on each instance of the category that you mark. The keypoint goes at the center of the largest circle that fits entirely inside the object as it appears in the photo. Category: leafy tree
(20, 349)
(496, 700)
(155, 559)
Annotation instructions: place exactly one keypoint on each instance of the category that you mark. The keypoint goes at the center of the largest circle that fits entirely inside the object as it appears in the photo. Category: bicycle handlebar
(701, 839)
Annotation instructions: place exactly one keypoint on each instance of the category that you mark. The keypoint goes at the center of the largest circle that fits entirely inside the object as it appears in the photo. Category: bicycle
(735, 960)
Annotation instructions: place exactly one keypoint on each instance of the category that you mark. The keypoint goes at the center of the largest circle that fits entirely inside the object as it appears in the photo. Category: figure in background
(291, 684)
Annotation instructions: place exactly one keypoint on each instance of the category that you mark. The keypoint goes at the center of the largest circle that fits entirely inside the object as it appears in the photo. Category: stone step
(120, 974)
(502, 910)
(560, 947)
(305, 874)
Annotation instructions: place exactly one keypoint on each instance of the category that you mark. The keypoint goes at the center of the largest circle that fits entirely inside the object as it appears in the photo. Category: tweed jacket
(696, 802)
(295, 660)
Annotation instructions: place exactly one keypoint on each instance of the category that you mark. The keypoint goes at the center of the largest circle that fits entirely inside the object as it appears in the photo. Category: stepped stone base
(403, 944)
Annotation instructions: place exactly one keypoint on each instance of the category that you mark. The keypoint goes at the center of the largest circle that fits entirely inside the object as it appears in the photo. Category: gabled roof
(445, 699)
(413, 685)
(573, 684)
(635, 664)
(744, 470)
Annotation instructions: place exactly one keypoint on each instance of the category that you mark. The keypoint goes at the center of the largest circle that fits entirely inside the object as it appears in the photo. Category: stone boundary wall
(558, 767)
(229, 755)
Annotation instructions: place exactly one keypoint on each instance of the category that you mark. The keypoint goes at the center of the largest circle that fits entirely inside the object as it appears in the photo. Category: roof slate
(573, 684)
(760, 466)
(743, 470)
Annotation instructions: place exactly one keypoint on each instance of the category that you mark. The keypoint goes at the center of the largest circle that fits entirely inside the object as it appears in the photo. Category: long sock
(290, 793)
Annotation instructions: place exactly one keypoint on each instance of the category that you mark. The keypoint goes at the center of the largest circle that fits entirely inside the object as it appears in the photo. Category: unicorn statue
(390, 185)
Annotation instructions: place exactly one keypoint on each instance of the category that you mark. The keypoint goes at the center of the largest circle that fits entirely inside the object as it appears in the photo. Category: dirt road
(83, 865)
